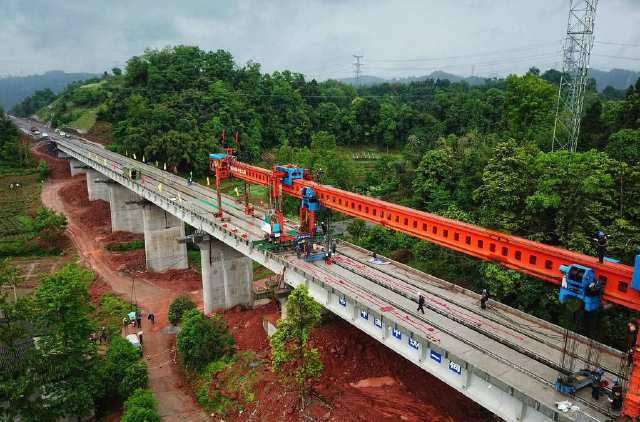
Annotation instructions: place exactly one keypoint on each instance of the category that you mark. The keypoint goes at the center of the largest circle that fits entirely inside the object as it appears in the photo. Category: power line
(618, 44)
(463, 56)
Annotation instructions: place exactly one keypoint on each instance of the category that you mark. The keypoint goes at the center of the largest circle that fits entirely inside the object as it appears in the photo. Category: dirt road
(174, 402)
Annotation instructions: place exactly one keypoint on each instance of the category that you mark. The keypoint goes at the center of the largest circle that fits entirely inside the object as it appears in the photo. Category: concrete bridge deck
(500, 357)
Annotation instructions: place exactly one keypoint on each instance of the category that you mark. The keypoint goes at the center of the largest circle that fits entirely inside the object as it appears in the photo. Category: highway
(516, 350)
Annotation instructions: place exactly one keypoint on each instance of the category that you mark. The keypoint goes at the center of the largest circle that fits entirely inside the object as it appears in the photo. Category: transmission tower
(576, 52)
(356, 67)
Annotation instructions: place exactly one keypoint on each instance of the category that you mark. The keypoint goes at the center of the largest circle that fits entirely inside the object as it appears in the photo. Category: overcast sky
(318, 38)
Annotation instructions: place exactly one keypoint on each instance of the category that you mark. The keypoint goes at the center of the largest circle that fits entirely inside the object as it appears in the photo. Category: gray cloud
(488, 37)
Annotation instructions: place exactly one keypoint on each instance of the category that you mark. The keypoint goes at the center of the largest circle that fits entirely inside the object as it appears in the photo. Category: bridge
(503, 359)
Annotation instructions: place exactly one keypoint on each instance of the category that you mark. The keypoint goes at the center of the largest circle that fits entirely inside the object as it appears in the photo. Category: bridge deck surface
(520, 350)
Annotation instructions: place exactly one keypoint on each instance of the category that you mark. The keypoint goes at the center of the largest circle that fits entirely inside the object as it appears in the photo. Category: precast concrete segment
(161, 233)
(512, 385)
(126, 214)
(96, 190)
(226, 276)
(76, 167)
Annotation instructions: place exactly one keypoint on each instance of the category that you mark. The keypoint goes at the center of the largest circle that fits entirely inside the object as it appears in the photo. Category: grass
(16, 202)
(193, 256)
(86, 120)
(126, 246)
(260, 272)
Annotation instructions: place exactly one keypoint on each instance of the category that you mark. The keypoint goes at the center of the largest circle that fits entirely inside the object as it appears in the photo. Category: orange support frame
(523, 255)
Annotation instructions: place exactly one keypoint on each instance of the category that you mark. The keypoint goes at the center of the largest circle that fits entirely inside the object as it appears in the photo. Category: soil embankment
(362, 379)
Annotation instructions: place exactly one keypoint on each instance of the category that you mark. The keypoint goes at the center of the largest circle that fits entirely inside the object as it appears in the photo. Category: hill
(14, 89)
(617, 78)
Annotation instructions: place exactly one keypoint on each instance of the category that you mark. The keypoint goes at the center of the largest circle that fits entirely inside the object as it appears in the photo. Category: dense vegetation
(33, 103)
(479, 154)
(50, 368)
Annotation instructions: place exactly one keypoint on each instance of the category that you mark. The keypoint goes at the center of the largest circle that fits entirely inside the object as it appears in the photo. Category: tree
(202, 340)
(135, 376)
(529, 108)
(69, 382)
(43, 170)
(292, 356)
(505, 179)
(624, 145)
(141, 407)
(178, 307)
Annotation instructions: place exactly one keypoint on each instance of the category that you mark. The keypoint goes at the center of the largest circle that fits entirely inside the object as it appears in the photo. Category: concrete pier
(161, 233)
(126, 215)
(96, 190)
(76, 167)
(226, 276)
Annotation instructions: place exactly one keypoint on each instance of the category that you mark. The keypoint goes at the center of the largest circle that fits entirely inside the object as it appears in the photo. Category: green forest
(479, 154)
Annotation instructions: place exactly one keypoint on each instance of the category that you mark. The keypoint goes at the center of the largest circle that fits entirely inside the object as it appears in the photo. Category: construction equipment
(572, 383)
(583, 277)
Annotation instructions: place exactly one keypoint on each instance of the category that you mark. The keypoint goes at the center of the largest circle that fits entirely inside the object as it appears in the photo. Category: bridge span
(504, 359)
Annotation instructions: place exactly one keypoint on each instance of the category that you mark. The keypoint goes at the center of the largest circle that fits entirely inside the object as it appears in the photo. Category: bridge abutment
(226, 276)
(126, 214)
(76, 167)
(96, 190)
(161, 233)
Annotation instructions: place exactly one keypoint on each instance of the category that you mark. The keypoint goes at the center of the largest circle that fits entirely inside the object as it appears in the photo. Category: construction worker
(601, 240)
(484, 297)
(151, 317)
(616, 396)
(421, 301)
(596, 387)
(125, 325)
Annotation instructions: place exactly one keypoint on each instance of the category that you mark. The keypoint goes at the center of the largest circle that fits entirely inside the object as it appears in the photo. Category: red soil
(183, 280)
(99, 133)
(362, 380)
(58, 169)
(122, 237)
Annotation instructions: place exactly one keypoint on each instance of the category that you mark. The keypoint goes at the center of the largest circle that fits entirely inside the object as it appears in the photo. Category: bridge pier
(96, 190)
(76, 167)
(161, 233)
(126, 217)
(226, 276)
(62, 154)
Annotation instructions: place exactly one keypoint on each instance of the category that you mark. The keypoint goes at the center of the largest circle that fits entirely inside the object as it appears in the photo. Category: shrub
(178, 307)
(140, 407)
(126, 246)
(135, 377)
(43, 169)
(202, 340)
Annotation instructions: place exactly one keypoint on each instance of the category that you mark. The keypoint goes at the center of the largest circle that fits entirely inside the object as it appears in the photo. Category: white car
(62, 133)
(57, 130)
(66, 135)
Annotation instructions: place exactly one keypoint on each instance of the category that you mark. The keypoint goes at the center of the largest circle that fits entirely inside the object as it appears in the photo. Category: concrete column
(76, 167)
(124, 217)
(283, 307)
(226, 276)
(62, 154)
(161, 233)
(96, 190)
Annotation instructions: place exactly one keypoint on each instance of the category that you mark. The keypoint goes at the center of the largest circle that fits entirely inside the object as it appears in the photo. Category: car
(62, 133)
(34, 129)
(57, 130)
(44, 136)
(66, 135)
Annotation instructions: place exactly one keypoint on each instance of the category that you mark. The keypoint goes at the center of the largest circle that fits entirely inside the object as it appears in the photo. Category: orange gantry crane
(581, 276)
